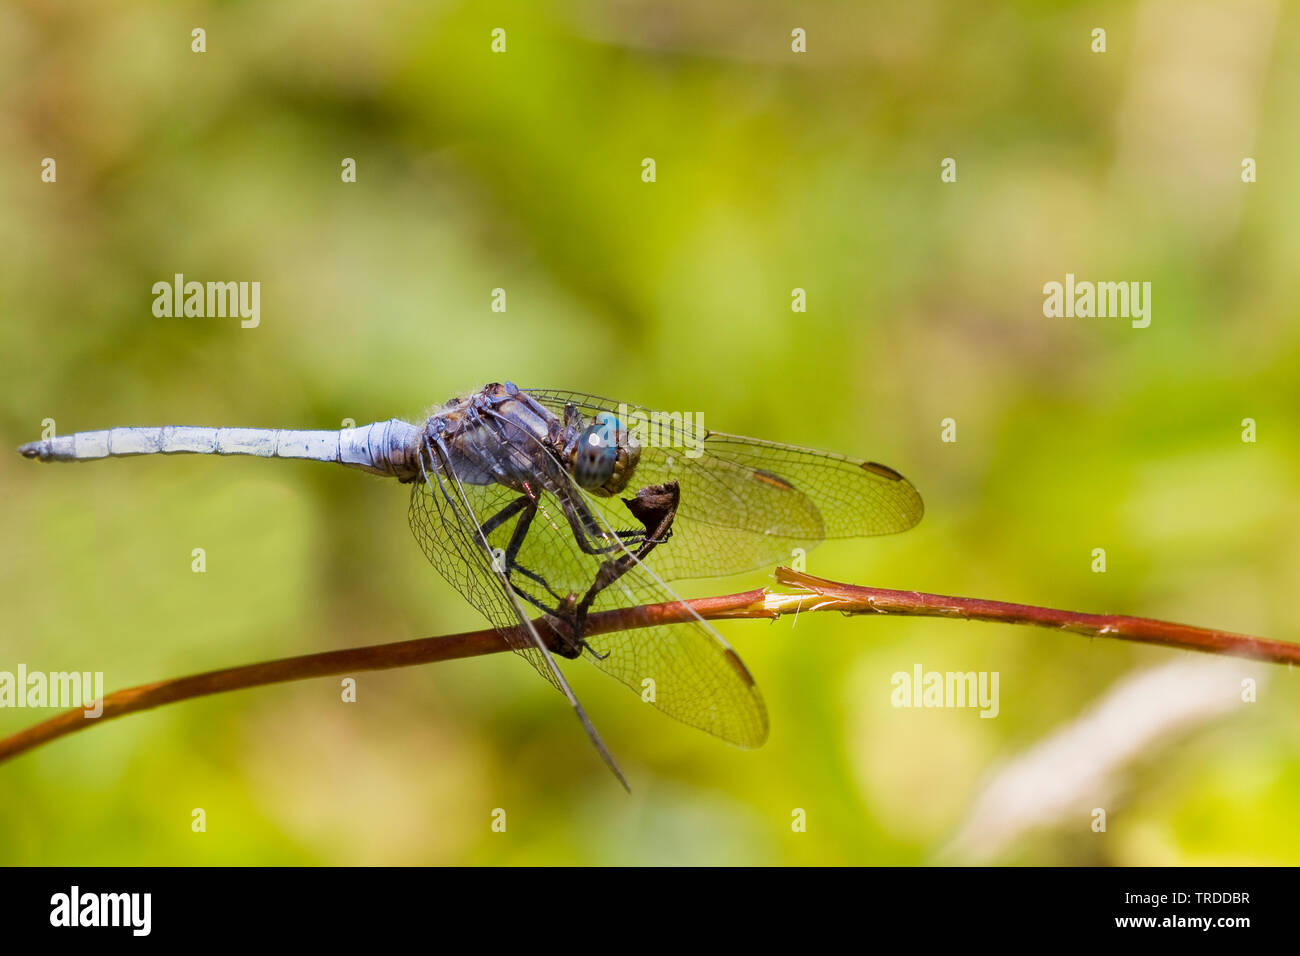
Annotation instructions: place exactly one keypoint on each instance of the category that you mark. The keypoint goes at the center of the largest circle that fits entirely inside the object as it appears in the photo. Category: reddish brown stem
(809, 594)
(855, 599)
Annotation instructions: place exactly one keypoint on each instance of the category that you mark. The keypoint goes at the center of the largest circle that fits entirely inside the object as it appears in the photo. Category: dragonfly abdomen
(382, 448)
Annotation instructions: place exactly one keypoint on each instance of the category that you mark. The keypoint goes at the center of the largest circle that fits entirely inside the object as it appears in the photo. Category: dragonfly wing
(746, 503)
(686, 670)
(445, 523)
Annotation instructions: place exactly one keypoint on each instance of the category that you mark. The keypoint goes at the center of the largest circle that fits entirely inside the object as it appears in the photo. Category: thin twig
(855, 599)
(809, 594)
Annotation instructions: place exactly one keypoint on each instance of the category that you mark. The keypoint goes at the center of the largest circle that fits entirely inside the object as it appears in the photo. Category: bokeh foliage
(522, 171)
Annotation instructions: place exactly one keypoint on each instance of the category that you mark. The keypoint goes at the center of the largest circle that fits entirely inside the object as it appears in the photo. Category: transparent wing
(693, 675)
(447, 531)
(445, 523)
(746, 503)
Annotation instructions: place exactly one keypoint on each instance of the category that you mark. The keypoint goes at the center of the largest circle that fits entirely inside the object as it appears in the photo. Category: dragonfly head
(601, 458)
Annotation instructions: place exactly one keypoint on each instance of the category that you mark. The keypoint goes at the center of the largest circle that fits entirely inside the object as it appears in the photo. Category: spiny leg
(656, 507)
(585, 526)
(525, 507)
(509, 559)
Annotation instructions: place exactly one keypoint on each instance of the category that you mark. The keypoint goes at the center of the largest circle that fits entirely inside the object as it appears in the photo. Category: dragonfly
(556, 505)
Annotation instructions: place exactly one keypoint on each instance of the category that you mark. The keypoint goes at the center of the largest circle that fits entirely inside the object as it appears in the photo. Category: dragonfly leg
(526, 507)
(656, 507)
(505, 514)
(582, 514)
(586, 529)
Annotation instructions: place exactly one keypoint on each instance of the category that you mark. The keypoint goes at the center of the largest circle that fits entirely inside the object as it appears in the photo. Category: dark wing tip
(883, 471)
(739, 667)
(755, 738)
(916, 509)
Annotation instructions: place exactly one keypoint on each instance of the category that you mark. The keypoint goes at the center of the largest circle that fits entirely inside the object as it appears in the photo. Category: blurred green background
(775, 170)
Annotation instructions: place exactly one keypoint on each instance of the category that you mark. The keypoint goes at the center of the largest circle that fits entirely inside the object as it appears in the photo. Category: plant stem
(809, 594)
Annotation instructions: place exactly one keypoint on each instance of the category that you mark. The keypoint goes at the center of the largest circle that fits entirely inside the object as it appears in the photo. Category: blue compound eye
(596, 454)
